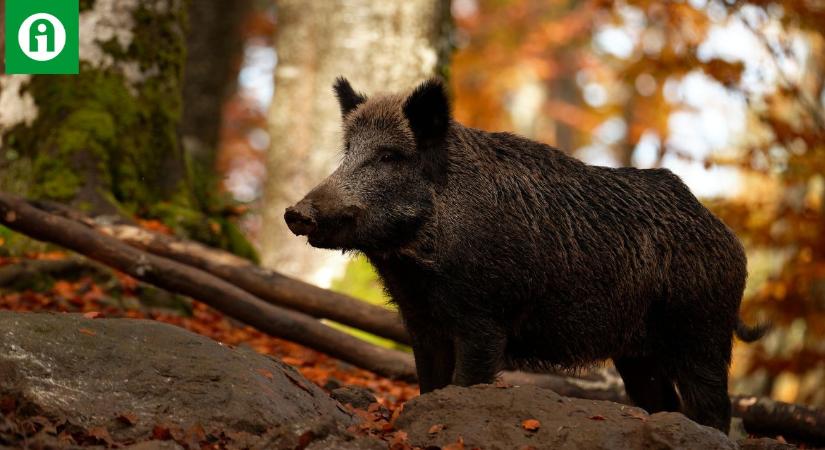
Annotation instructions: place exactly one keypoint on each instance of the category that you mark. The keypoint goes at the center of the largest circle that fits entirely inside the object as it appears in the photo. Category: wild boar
(502, 250)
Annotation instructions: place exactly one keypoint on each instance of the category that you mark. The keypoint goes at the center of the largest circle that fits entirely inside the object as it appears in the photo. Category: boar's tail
(750, 334)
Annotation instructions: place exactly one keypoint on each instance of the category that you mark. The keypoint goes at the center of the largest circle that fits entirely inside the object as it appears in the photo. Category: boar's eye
(389, 155)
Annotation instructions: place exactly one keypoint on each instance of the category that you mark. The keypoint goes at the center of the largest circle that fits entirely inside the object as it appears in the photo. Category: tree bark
(105, 139)
(379, 46)
(18, 215)
(768, 417)
(214, 45)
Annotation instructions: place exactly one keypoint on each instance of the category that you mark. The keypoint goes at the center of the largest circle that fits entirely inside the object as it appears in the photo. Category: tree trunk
(107, 138)
(378, 46)
(111, 140)
(214, 47)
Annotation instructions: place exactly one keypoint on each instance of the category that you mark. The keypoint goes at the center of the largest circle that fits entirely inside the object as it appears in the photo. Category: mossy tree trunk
(105, 140)
(378, 46)
(110, 140)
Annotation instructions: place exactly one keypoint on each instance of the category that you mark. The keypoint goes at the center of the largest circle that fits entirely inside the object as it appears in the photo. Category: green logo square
(42, 36)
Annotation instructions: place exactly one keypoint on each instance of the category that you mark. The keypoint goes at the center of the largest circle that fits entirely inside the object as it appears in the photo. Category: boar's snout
(301, 218)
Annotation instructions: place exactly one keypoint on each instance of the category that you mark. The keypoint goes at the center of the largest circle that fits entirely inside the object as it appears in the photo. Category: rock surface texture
(491, 417)
(132, 376)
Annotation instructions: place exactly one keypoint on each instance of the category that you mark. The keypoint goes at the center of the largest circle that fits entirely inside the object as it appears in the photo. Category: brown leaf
(531, 425)
(7, 404)
(101, 434)
(501, 384)
(265, 373)
(128, 418)
(305, 439)
(93, 315)
(597, 417)
(399, 437)
(87, 332)
(636, 414)
(457, 445)
(161, 433)
(727, 73)
(436, 428)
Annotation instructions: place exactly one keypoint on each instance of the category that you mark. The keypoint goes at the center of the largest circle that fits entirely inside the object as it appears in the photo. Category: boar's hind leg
(704, 393)
(479, 351)
(647, 385)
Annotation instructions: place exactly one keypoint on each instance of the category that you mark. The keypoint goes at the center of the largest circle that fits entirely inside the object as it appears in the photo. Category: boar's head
(394, 162)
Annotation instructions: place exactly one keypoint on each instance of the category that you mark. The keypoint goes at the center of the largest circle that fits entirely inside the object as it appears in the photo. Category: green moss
(95, 135)
(60, 182)
(95, 128)
(237, 243)
(15, 244)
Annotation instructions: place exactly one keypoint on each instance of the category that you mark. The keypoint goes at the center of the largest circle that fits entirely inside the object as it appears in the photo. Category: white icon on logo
(41, 37)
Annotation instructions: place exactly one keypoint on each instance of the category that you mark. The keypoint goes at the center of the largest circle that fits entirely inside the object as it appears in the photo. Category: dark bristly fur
(501, 250)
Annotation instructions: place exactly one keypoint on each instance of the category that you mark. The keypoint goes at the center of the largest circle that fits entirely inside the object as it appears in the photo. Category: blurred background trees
(378, 46)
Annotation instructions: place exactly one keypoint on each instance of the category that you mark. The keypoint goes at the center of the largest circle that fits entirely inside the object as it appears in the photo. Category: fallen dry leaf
(161, 433)
(399, 437)
(597, 417)
(93, 315)
(265, 373)
(531, 425)
(436, 428)
(636, 414)
(101, 434)
(87, 332)
(128, 418)
(457, 445)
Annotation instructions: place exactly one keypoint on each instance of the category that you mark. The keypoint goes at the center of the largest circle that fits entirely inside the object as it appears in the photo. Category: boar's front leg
(479, 348)
(434, 362)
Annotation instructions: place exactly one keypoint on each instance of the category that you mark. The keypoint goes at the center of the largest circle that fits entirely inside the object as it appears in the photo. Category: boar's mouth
(330, 231)
(334, 237)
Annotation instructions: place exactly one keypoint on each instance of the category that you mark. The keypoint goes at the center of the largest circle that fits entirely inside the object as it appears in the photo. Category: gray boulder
(135, 377)
(490, 417)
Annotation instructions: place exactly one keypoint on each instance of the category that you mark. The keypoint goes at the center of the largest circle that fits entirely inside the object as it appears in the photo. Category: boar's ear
(347, 97)
(428, 110)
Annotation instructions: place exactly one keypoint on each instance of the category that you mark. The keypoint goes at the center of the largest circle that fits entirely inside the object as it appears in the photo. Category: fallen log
(764, 416)
(265, 284)
(231, 300)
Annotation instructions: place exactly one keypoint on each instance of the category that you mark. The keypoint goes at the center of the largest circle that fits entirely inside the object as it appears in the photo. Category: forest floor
(120, 296)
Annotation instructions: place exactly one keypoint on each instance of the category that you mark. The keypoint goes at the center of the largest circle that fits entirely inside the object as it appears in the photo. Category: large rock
(490, 417)
(130, 376)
